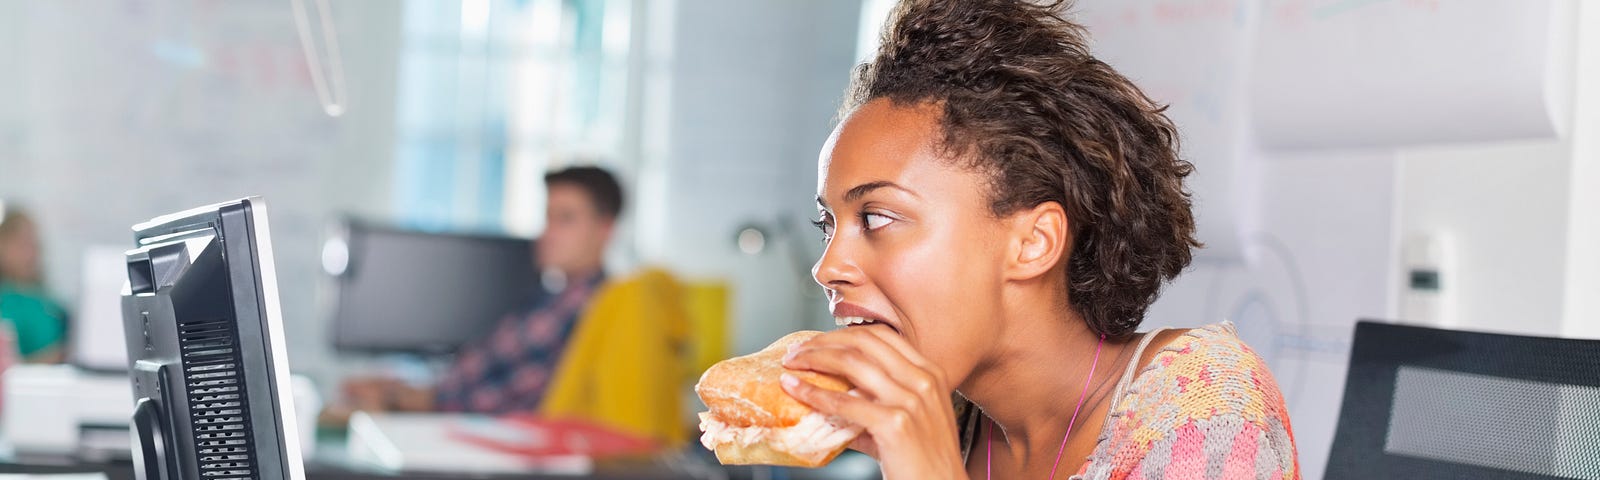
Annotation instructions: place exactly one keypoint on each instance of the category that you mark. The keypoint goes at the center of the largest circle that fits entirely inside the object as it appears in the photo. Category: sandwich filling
(814, 435)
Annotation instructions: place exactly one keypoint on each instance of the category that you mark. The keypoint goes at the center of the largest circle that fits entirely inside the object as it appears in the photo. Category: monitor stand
(153, 446)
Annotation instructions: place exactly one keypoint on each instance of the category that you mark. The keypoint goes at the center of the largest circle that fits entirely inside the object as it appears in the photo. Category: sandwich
(753, 421)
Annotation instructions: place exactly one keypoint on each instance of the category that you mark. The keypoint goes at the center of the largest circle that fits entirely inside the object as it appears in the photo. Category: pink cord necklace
(988, 461)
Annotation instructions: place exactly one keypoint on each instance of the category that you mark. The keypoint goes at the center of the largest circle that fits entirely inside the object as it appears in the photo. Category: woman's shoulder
(1208, 371)
(1202, 391)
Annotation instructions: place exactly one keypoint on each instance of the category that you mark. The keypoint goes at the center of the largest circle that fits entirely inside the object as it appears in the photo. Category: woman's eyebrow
(858, 191)
(861, 190)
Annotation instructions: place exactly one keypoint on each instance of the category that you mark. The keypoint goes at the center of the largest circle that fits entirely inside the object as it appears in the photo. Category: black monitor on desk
(206, 349)
(402, 290)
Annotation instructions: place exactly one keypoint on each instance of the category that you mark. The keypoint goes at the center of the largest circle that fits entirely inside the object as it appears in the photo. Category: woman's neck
(1034, 378)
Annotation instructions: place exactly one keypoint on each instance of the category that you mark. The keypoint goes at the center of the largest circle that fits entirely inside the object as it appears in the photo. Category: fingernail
(789, 380)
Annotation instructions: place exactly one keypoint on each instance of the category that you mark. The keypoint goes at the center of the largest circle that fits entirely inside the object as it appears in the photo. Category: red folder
(533, 436)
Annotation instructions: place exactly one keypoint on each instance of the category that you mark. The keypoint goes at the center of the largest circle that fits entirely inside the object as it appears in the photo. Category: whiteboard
(139, 108)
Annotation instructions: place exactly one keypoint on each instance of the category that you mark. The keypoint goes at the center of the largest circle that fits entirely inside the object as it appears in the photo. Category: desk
(851, 465)
(328, 462)
(124, 471)
(316, 471)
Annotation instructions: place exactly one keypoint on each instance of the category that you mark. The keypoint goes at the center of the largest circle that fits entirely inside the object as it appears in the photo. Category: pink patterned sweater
(1205, 407)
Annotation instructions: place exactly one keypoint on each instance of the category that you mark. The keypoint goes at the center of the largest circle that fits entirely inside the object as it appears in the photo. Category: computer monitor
(400, 290)
(206, 349)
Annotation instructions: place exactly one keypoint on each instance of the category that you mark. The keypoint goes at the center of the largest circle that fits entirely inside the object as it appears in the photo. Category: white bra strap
(1133, 366)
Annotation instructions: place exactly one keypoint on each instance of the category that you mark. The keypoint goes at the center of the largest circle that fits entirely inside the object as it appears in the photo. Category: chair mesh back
(1428, 403)
(1522, 425)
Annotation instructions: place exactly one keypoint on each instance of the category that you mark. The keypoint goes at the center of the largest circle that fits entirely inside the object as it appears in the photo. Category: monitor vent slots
(214, 384)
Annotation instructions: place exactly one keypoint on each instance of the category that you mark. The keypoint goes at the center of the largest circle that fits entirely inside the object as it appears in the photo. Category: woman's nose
(836, 269)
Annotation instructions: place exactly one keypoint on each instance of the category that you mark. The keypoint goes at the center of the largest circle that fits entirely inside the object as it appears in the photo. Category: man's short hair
(598, 183)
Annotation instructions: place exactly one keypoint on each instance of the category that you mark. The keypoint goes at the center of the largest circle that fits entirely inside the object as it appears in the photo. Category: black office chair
(1423, 403)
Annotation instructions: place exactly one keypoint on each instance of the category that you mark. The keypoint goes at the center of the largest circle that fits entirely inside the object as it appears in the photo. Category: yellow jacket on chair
(625, 362)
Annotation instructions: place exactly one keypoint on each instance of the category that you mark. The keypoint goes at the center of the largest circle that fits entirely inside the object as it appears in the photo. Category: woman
(1000, 208)
(39, 322)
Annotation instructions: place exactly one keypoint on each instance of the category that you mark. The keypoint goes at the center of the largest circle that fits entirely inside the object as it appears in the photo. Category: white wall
(1522, 214)
(1505, 208)
(1581, 315)
(753, 91)
(11, 86)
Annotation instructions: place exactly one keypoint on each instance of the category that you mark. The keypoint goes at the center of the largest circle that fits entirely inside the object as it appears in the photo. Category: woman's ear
(1040, 238)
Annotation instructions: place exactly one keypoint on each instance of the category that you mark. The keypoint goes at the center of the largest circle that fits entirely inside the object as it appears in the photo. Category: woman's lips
(849, 314)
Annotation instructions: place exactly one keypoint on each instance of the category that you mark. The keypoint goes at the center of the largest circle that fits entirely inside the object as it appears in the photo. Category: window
(495, 92)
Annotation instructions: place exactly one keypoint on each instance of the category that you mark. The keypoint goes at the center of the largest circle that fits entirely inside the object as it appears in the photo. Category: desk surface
(329, 462)
(854, 466)
(124, 471)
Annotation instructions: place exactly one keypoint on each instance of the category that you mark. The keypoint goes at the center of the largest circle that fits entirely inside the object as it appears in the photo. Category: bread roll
(753, 421)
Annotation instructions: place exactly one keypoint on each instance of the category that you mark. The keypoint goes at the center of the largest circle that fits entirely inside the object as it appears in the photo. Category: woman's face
(911, 241)
(19, 253)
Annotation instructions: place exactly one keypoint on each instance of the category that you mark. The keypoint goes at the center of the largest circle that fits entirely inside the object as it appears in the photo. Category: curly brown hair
(1025, 102)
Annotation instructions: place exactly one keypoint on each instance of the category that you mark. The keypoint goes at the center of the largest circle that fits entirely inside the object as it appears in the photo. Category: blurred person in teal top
(39, 322)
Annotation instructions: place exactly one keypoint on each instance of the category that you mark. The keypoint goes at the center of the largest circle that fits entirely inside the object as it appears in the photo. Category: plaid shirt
(509, 370)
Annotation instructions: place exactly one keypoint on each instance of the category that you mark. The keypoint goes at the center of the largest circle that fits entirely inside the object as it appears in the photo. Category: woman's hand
(900, 398)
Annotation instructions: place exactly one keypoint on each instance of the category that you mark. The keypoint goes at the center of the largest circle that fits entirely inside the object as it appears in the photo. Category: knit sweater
(1204, 407)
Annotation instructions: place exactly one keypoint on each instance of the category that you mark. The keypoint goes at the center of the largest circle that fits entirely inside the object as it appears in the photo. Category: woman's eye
(875, 221)
(826, 226)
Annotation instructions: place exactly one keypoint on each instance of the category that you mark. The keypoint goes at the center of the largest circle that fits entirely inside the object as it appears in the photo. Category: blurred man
(509, 370)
